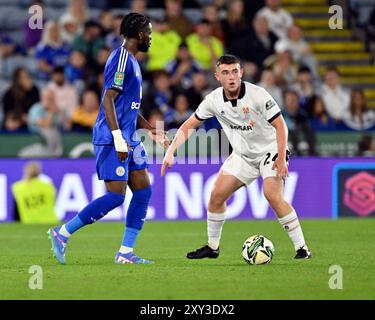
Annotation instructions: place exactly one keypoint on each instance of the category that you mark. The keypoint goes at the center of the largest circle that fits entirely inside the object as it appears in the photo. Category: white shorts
(247, 170)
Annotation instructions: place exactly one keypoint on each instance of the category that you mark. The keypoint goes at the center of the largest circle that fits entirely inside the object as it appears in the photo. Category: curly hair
(132, 24)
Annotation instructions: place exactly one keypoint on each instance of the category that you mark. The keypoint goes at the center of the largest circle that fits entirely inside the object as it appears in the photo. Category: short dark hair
(132, 24)
(227, 59)
(58, 69)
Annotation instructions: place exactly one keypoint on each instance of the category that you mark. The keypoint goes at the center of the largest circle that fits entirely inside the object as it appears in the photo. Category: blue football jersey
(122, 73)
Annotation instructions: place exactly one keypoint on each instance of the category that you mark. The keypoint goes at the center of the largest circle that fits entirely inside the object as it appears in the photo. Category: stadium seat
(14, 62)
(56, 3)
(54, 13)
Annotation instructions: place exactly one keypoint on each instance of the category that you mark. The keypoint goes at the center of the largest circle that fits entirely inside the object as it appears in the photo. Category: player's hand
(121, 146)
(160, 137)
(167, 162)
(281, 166)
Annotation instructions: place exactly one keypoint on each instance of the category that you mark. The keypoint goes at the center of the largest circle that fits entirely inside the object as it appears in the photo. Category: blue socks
(100, 207)
(136, 215)
(94, 211)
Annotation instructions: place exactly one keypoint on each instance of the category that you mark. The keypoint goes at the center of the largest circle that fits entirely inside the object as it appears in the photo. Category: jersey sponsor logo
(120, 171)
(242, 128)
(119, 78)
(270, 104)
(136, 105)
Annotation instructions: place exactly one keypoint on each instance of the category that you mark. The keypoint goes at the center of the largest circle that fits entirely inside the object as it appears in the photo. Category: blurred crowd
(63, 94)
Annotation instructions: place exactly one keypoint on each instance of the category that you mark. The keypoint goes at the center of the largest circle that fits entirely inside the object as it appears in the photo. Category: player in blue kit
(121, 159)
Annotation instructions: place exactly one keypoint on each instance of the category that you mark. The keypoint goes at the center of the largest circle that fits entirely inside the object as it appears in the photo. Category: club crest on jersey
(119, 78)
(246, 110)
(120, 171)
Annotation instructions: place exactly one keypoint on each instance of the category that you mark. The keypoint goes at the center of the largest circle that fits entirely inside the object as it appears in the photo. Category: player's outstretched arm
(282, 142)
(110, 115)
(183, 134)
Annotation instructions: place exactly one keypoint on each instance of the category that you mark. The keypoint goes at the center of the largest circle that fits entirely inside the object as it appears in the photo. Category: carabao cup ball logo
(360, 193)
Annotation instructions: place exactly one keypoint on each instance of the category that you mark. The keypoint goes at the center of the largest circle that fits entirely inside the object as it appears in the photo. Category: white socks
(291, 225)
(64, 232)
(125, 250)
(215, 223)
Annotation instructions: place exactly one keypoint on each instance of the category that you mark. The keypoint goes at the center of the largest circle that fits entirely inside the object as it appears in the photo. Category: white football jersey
(246, 120)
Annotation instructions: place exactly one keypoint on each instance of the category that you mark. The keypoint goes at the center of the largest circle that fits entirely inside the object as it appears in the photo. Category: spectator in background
(258, 44)
(35, 197)
(319, 118)
(279, 20)
(97, 85)
(182, 68)
(160, 96)
(13, 122)
(34, 35)
(139, 6)
(114, 40)
(156, 118)
(68, 29)
(366, 146)
(66, 95)
(268, 82)
(7, 46)
(298, 124)
(79, 11)
(299, 48)
(305, 87)
(84, 116)
(359, 117)
(204, 47)
(46, 119)
(164, 46)
(51, 52)
(90, 42)
(18, 100)
(176, 19)
(199, 89)
(235, 28)
(284, 67)
(211, 13)
(106, 23)
(75, 70)
(336, 98)
(101, 59)
(182, 111)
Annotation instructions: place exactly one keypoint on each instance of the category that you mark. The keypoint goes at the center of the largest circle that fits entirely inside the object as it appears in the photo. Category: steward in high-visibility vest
(35, 198)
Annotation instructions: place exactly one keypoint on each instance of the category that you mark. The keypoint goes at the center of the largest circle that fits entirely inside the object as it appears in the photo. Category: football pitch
(91, 274)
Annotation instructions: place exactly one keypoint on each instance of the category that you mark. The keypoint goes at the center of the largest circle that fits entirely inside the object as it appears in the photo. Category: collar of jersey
(240, 96)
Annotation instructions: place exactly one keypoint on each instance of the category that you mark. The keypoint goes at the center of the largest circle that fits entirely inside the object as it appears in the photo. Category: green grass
(91, 274)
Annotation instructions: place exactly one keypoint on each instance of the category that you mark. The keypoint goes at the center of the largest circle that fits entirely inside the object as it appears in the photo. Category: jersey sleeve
(205, 110)
(268, 106)
(114, 74)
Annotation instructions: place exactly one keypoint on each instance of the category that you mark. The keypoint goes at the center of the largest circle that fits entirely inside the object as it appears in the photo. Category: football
(257, 250)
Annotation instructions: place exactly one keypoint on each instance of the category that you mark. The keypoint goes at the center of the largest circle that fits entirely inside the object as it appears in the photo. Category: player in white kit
(253, 123)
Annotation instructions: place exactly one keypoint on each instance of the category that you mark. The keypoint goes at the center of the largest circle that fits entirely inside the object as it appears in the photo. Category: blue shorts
(109, 167)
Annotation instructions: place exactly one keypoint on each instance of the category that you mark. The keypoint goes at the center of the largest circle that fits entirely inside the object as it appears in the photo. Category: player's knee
(142, 195)
(117, 198)
(217, 199)
(272, 197)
